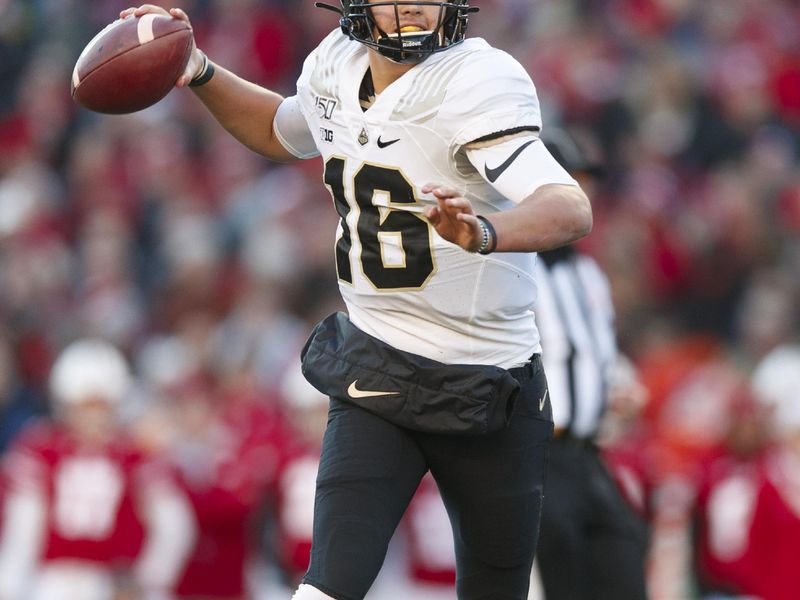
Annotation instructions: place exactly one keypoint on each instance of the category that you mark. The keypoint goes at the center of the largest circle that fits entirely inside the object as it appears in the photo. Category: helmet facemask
(404, 47)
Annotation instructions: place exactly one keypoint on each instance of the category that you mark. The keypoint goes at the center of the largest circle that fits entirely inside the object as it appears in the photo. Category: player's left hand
(453, 218)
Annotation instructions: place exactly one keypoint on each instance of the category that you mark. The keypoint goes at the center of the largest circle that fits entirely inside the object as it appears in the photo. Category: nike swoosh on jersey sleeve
(493, 174)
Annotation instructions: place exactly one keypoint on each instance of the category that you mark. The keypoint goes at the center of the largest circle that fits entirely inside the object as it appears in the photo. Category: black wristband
(206, 73)
(491, 244)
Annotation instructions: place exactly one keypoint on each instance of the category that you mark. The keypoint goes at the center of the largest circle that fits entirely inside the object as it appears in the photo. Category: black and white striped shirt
(575, 317)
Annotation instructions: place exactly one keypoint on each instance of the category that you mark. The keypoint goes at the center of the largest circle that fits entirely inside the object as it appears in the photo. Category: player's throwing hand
(197, 60)
(454, 219)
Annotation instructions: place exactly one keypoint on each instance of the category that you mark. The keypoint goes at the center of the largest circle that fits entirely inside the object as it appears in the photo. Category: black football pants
(492, 486)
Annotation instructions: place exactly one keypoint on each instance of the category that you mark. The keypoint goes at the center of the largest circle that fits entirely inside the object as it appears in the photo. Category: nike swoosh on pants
(354, 392)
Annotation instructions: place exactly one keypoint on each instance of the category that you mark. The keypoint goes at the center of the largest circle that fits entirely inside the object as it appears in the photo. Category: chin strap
(338, 11)
(405, 48)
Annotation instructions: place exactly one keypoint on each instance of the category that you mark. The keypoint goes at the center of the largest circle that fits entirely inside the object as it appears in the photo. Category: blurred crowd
(206, 266)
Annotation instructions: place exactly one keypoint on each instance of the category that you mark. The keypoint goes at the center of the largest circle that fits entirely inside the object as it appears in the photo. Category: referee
(592, 545)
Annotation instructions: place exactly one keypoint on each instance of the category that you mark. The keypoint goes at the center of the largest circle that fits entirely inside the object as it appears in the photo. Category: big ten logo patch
(326, 135)
(325, 107)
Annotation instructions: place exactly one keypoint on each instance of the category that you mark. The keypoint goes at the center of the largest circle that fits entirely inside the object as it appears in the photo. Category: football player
(85, 515)
(444, 191)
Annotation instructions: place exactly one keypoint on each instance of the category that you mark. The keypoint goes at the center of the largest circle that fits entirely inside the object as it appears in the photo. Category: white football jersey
(400, 280)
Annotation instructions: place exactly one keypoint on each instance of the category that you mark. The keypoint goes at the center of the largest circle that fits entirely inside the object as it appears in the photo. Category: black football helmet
(405, 48)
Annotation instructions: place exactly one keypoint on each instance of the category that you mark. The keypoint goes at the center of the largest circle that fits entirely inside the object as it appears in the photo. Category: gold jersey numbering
(412, 229)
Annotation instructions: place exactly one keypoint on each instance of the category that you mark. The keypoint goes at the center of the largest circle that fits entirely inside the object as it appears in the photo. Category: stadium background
(206, 263)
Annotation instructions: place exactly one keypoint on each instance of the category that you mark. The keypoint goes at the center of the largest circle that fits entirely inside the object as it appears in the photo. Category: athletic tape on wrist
(206, 73)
